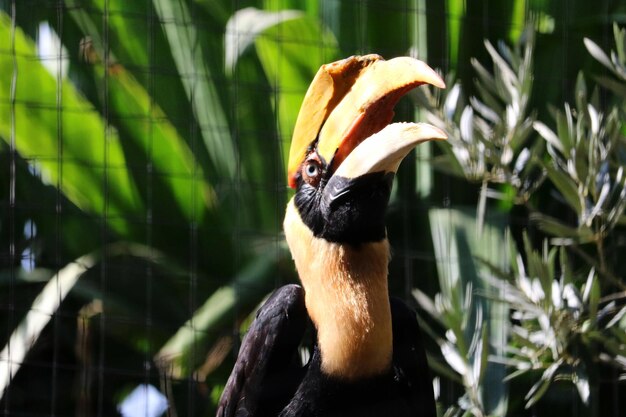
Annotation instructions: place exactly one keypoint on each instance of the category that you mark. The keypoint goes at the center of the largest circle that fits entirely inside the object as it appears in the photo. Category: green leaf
(598, 53)
(582, 384)
(291, 53)
(179, 355)
(518, 20)
(563, 232)
(139, 46)
(505, 77)
(566, 269)
(455, 359)
(594, 296)
(42, 310)
(456, 12)
(566, 186)
(199, 83)
(565, 130)
(218, 9)
(245, 26)
(612, 85)
(620, 42)
(481, 356)
(458, 242)
(76, 151)
(448, 164)
(425, 303)
(539, 389)
(549, 136)
(171, 161)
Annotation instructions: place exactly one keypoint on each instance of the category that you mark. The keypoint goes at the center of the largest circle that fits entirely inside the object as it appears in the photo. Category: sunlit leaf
(582, 384)
(454, 359)
(426, 303)
(548, 135)
(481, 355)
(133, 41)
(165, 151)
(245, 26)
(594, 296)
(42, 310)
(199, 83)
(290, 54)
(566, 186)
(597, 53)
(540, 387)
(63, 143)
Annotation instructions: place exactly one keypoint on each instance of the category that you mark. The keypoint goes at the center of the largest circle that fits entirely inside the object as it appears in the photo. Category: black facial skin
(346, 210)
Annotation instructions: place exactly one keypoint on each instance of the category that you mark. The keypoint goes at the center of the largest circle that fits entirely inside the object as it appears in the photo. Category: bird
(368, 358)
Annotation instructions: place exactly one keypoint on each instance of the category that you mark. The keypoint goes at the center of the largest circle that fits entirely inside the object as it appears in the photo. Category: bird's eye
(312, 170)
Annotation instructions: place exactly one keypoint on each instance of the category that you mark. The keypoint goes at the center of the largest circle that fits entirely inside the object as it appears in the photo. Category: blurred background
(143, 152)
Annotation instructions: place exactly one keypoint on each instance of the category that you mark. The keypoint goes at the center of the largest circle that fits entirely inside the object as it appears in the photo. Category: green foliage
(158, 156)
(154, 132)
(585, 169)
(561, 329)
(473, 329)
(616, 64)
(29, 106)
(489, 133)
(566, 320)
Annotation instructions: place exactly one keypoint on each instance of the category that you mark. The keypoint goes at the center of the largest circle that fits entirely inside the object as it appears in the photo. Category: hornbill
(367, 358)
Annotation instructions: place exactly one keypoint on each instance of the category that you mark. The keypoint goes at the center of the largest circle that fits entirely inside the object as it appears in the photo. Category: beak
(383, 151)
(372, 166)
(347, 102)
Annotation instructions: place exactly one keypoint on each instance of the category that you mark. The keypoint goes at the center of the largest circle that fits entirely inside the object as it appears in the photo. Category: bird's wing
(409, 358)
(268, 370)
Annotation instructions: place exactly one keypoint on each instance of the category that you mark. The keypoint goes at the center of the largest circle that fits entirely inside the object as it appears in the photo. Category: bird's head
(344, 153)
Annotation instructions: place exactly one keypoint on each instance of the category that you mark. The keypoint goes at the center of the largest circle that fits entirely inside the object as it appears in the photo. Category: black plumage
(269, 380)
(268, 368)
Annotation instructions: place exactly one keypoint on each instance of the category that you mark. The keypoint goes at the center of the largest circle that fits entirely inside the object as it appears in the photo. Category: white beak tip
(414, 132)
(384, 150)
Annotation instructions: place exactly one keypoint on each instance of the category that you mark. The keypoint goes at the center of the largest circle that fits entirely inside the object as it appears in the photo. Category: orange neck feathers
(347, 299)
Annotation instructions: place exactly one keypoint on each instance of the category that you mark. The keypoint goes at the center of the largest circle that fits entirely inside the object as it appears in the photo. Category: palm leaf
(40, 313)
(290, 56)
(63, 143)
(181, 355)
(199, 82)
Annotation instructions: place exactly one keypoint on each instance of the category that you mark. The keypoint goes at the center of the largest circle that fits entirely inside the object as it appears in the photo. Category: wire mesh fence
(143, 156)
